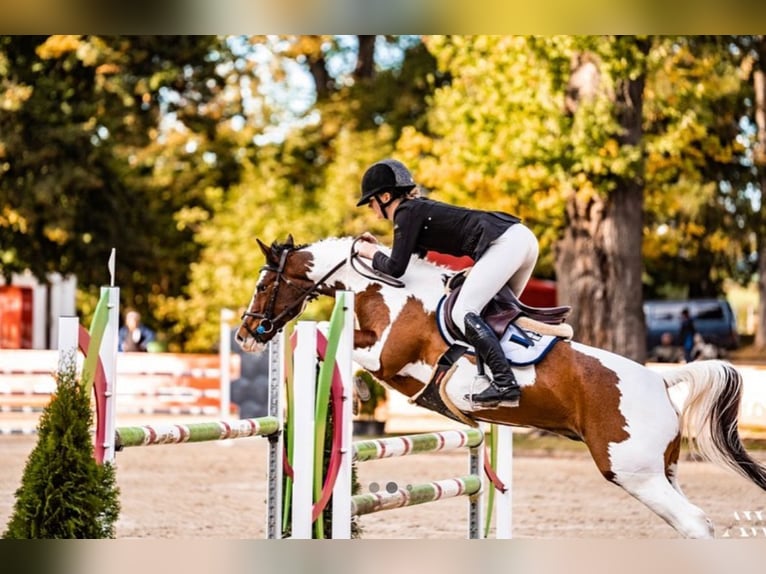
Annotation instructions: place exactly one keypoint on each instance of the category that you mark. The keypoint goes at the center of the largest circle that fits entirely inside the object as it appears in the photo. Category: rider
(504, 251)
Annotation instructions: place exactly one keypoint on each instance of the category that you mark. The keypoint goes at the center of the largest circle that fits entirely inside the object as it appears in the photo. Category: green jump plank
(415, 494)
(195, 432)
(416, 444)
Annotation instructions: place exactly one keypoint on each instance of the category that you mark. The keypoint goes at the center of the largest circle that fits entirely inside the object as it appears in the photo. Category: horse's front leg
(367, 347)
(364, 338)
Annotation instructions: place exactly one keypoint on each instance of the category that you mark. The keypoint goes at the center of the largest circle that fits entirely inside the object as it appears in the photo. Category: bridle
(268, 321)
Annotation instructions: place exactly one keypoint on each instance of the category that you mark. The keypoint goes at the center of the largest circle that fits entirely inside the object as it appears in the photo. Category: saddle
(504, 314)
(504, 309)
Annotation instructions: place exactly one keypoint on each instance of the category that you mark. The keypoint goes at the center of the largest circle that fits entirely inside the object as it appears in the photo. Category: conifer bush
(64, 493)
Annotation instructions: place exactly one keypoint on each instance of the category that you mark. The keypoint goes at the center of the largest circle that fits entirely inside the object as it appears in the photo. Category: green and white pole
(176, 433)
(341, 510)
(416, 494)
(108, 355)
(224, 356)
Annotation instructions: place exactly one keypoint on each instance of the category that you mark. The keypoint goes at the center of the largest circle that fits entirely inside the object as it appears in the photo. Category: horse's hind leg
(671, 464)
(656, 492)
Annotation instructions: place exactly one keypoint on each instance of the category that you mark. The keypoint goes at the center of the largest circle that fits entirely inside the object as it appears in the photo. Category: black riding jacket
(422, 225)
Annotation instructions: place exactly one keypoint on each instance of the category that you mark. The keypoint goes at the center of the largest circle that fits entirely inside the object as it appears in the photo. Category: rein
(368, 271)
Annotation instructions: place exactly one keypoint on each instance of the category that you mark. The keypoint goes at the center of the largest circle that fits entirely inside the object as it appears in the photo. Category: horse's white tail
(710, 413)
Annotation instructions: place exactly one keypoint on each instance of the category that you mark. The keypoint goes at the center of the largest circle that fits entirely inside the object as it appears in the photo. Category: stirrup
(494, 396)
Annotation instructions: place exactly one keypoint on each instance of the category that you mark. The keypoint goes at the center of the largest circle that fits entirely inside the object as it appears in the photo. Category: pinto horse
(619, 408)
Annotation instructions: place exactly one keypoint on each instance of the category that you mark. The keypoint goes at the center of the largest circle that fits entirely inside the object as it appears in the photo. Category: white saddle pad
(521, 347)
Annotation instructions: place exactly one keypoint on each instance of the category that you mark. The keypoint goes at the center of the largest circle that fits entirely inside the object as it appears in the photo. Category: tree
(64, 493)
(307, 183)
(504, 137)
(81, 116)
(753, 53)
(598, 257)
(582, 136)
(180, 153)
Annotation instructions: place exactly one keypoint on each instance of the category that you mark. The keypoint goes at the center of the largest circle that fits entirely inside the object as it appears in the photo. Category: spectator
(666, 351)
(702, 351)
(134, 336)
(686, 334)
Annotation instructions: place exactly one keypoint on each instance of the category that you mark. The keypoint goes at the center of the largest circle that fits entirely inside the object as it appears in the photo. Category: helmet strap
(384, 206)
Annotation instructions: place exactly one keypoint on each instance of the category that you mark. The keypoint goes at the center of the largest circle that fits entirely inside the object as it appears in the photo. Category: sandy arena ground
(218, 490)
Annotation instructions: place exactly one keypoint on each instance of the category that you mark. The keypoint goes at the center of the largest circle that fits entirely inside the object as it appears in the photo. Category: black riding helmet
(385, 175)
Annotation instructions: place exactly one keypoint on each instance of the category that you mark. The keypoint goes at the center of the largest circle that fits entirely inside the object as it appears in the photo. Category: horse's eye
(260, 288)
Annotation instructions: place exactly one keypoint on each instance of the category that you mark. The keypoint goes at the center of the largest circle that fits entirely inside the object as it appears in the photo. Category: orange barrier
(147, 383)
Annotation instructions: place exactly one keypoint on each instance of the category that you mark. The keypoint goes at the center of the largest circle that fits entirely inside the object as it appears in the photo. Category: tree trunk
(598, 260)
(318, 69)
(759, 85)
(322, 80)
(760, 327)
(365, 59)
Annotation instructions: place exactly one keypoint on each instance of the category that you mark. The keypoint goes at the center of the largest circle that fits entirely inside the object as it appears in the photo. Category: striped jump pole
(269, 427)
(417, 444)
(423, 443)
(415, 494)
(439, 441)
(170, 433)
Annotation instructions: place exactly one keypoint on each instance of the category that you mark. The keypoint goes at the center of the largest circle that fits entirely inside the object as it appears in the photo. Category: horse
(621, 409)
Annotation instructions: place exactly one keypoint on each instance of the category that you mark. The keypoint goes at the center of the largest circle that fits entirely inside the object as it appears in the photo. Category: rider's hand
(368, 237)
(366, 249)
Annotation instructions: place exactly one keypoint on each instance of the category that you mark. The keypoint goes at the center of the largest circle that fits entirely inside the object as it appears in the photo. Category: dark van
(713, 319)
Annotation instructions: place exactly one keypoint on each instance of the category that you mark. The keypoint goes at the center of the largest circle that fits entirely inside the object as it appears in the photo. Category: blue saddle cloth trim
(522, 348)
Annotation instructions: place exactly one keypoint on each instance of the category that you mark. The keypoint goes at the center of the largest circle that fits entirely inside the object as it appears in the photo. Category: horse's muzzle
(247, 342)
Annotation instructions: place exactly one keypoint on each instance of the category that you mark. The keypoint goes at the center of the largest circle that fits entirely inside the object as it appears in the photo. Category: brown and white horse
(619, 408)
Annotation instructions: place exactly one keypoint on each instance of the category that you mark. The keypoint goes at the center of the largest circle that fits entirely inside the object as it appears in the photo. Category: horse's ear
(290, 243)
(266, 251)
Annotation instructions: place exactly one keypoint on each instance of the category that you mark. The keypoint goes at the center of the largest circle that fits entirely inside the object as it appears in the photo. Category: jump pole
(305, 376)
(69, 342)
(276, 398)
(341, 510)
(304, 370)
(409, 445)
(108, 354)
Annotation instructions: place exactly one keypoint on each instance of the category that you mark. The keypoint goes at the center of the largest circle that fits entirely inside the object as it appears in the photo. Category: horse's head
(281, 294)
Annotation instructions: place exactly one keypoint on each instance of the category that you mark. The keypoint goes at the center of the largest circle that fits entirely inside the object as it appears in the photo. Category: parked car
(713, 319)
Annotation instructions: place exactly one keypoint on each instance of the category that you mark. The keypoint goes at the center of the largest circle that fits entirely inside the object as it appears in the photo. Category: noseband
(267, 320)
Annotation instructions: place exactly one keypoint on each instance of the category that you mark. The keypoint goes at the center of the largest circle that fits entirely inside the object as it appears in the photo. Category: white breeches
(509, 260)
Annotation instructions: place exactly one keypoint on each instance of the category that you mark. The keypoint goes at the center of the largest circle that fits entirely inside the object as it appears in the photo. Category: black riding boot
(503, 387)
